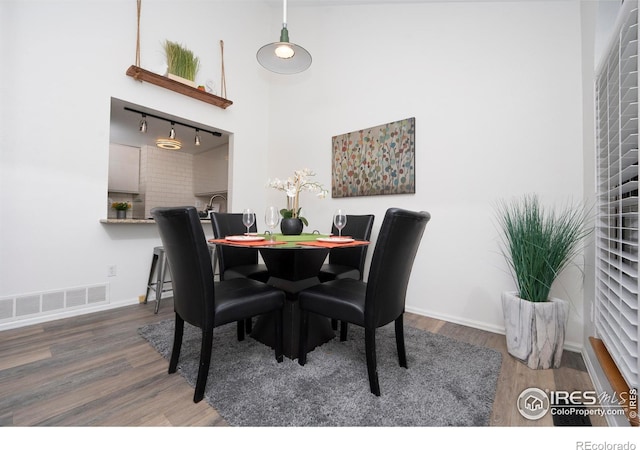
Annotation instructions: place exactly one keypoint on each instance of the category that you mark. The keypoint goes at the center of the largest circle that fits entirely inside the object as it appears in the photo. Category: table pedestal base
(320, 330)
(293, 270)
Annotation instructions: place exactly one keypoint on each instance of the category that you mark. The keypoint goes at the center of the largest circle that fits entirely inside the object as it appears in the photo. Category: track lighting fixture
(170, 143)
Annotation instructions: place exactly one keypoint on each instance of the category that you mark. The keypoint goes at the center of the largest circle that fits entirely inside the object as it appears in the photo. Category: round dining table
(294, 263)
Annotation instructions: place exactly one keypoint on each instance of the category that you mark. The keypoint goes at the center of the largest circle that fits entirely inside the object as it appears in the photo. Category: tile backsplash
(166, 179)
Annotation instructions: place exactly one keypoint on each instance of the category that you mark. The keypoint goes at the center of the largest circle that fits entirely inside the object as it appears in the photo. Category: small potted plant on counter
(121, 209)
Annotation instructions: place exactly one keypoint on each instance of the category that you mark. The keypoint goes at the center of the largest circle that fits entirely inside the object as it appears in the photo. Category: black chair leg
(240, 330)
(177, 344)
(279, 346)
(344, 326)
(154, 261)
(370, 350)
(248, 325)
(205, 361)
(334, 324)
(304, 330)
(402, 354)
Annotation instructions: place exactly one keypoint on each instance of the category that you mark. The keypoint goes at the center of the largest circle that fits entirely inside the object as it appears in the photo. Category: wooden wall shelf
(141, 74)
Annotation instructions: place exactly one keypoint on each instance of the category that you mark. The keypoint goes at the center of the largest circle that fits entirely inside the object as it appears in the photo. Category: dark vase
(291, 227)
(121, 213)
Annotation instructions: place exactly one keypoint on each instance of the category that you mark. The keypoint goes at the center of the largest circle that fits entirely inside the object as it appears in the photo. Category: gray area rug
(448, 383)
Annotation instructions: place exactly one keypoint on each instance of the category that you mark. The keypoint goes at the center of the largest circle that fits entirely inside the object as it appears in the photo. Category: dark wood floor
(95, 370)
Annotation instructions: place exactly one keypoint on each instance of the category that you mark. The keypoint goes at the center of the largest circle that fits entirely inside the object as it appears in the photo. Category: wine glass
(339, 220)
(248, 218)
(271, 219)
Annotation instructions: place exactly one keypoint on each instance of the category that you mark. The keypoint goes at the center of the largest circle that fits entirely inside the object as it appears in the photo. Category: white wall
(68, 59)
(495, 88)
(496, 92)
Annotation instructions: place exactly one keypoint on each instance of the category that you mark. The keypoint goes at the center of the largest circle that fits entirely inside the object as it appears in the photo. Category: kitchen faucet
(210, 204)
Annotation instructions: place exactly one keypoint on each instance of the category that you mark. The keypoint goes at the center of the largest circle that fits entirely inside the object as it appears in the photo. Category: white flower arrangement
(292, 186)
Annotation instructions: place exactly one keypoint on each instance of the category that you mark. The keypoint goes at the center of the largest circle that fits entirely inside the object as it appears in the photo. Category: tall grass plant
(539, 243)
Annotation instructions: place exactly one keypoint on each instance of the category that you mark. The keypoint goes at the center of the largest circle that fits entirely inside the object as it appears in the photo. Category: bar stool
(160, 266)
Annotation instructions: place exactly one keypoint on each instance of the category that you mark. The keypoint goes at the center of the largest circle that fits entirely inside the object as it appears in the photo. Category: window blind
(616, 303)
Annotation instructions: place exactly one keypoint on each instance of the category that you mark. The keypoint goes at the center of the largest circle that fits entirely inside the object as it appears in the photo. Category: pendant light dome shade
(284, 57)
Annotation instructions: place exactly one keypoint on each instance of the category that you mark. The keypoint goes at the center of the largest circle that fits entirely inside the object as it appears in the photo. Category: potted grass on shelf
(182, 64)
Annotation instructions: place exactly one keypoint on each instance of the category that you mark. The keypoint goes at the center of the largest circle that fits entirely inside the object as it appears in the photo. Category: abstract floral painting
(375, 161)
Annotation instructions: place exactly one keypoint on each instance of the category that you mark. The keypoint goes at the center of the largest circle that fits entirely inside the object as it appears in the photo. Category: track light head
(143, 124)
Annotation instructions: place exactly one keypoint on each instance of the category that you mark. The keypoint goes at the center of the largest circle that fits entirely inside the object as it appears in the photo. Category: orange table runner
(334, 244)
(264, 242)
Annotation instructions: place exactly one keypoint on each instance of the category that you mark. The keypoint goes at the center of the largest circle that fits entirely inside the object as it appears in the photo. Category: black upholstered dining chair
(201, 301)
(381, 299)
(348, 262)
(236, 262)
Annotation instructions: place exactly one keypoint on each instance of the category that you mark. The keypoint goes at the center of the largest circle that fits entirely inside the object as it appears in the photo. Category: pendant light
(284, 57)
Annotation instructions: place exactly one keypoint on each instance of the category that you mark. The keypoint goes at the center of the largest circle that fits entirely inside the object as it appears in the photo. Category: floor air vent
(51, 302)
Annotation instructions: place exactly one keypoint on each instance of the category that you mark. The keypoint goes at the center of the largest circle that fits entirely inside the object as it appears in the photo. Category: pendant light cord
(284, 13)
(223, 81)
(138, 35)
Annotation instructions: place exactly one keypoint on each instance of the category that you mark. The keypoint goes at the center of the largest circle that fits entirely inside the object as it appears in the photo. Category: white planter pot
(535, 331)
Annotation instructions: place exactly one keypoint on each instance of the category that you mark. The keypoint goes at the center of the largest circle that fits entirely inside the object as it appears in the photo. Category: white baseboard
(42, 318)
(570, 346)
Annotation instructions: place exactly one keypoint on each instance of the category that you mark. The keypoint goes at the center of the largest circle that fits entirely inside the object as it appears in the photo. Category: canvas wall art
(376, 161)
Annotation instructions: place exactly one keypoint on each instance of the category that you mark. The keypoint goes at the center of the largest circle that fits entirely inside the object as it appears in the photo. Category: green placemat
(292, 241)
(298, 238)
